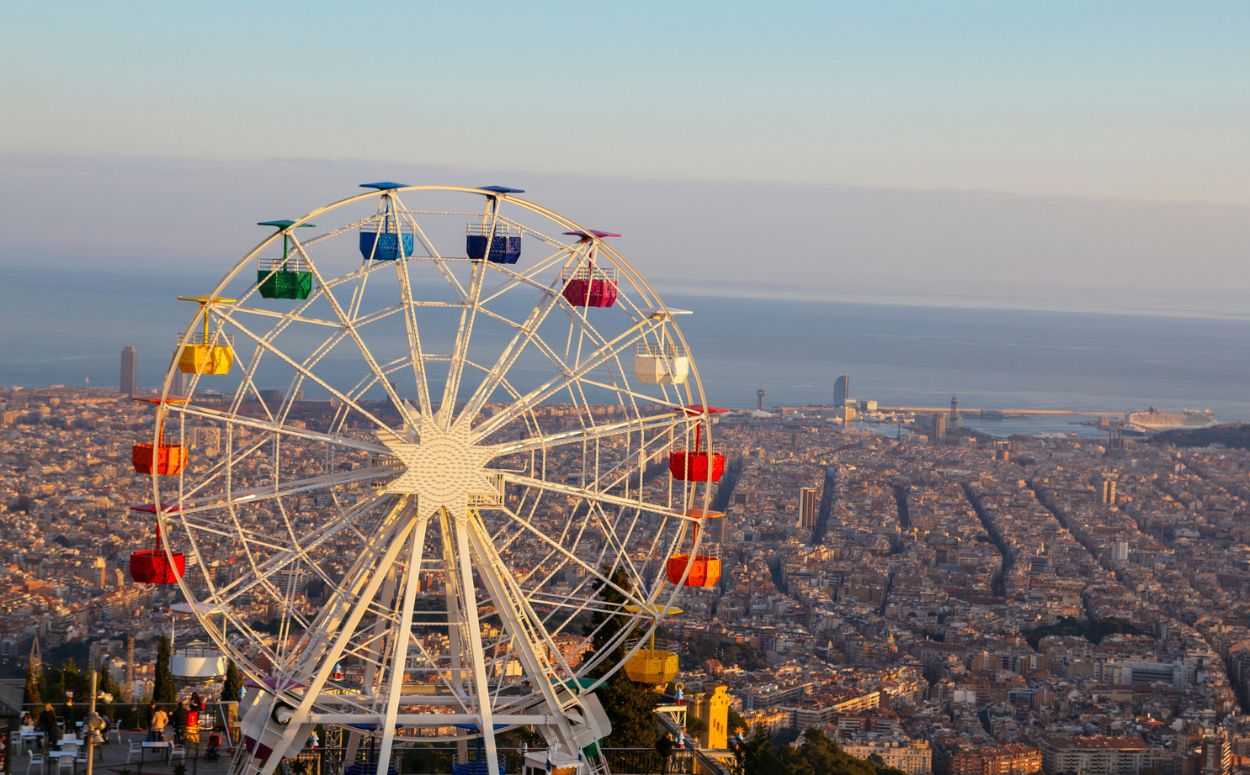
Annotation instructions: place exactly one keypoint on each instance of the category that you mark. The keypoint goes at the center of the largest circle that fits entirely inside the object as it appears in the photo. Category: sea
(67, 326)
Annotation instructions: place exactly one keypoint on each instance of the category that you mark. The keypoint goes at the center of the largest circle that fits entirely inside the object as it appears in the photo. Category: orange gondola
(160, 458)
(701, 570)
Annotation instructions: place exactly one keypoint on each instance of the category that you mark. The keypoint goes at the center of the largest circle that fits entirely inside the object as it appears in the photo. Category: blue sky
(1139, 100)
(1072, 152)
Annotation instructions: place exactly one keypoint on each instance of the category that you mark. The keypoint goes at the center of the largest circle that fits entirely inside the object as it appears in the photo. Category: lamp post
(89, 725)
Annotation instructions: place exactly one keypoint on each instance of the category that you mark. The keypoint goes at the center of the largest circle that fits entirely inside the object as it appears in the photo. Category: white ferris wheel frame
(402, 532)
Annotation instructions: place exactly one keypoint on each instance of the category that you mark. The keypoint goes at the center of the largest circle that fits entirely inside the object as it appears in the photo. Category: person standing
(180, 722)
(664, 747)
(47, 724)
(156, 727)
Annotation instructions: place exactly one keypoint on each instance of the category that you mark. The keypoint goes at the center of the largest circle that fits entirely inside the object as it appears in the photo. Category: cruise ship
(1150, 420)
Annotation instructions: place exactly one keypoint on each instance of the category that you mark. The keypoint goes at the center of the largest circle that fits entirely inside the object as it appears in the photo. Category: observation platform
(113, 757)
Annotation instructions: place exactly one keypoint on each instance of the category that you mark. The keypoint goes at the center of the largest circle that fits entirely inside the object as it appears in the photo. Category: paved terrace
(115, 758)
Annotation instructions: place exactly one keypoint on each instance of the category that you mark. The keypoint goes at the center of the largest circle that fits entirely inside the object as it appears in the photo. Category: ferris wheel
(429, 463)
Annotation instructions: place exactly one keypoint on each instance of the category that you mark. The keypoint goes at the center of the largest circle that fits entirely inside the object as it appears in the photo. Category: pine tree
(629, 706)
(163, 688)
(234, 681)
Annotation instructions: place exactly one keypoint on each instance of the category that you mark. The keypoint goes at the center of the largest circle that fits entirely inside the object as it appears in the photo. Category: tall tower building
(129, 687)
(759, 396)
(176, 385)
(1109, 479)
(808, 504)
(841, 390)
(130, 370)
(34, 659)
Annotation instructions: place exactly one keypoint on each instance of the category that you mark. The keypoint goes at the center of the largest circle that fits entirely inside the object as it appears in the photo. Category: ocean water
(67, 326)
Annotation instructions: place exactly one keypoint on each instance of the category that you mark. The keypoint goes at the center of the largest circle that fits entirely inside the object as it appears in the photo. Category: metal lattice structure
(420, 468)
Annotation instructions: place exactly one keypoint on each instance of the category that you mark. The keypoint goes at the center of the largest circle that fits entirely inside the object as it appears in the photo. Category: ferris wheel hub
(442, 467)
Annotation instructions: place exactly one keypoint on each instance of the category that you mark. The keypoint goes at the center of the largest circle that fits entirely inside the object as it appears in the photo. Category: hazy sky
(872, 124)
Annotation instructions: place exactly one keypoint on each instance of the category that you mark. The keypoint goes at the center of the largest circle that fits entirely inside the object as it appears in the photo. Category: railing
(197, 650)
(484, 230)
(388, 224)
(591, 273)
(198, 339)
(294, 263)
(438, 760)
(129, 716)
(660, 350)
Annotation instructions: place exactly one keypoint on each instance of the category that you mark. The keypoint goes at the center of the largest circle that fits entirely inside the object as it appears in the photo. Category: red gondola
(153, 566)
(589, 285)
(697, 465)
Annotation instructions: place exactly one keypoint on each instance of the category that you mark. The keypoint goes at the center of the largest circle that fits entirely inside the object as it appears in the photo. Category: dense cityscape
(939, 600)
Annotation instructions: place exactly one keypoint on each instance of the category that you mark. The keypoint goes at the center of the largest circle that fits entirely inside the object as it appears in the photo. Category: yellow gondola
(206, 352)
(652, 666)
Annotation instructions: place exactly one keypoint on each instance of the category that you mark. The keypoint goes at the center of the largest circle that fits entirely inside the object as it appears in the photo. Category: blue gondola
(504, 247)
(383, 237)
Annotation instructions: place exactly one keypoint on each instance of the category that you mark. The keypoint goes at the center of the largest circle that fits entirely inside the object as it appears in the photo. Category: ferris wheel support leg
(455, 623)
(334, 652)
(399, 659)
(515, 614)
(478, 657)
(373, 659)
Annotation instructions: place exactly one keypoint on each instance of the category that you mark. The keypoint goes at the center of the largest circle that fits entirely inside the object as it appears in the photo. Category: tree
(75, 680)
(232, 684)
(33, 693)
(629, 706)
(106, 684)
(163, 688)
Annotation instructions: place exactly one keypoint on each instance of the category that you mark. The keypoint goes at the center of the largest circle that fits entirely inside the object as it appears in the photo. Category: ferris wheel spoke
(589, 434)
(468, 315)
(593, 495)
(308, 374)
(251, 538)
(532, 643)
(277, 427)
(323, 641)
(569, 556)
(282, 489)
(285, 316)
(450, 277)
(503, 365)
(347, 322)
(589, 604)
(414, 339)
(621, 342)
(225, 595)
(564, 254)
(611, 539)
(636, 397)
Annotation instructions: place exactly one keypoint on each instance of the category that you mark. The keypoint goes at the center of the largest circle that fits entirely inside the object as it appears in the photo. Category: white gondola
(661, 364)
(197, 662)
(663, 361)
